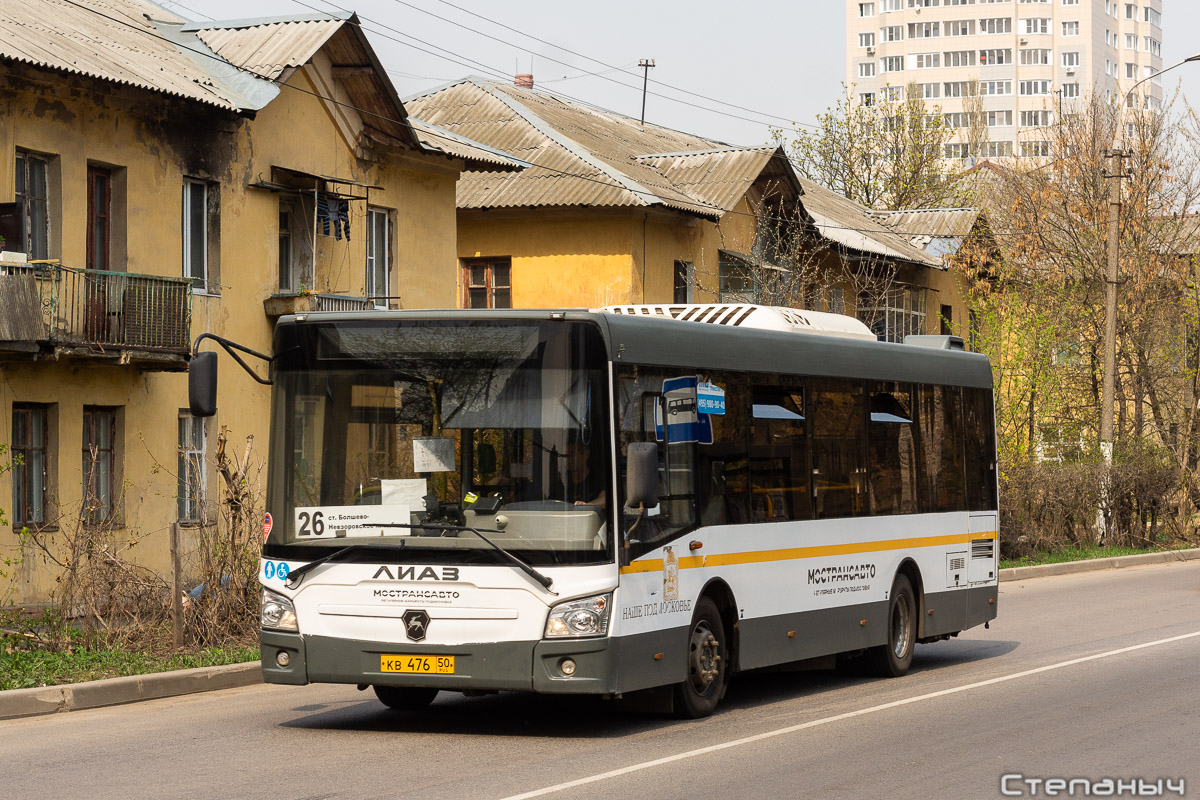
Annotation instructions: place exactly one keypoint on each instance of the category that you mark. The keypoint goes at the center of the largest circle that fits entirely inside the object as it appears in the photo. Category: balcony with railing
(81, 313)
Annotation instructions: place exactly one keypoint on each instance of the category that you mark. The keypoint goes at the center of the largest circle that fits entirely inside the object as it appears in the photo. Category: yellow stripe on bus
(760, 556)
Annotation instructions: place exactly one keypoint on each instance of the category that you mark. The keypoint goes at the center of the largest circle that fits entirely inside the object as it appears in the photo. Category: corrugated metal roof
(937, 231)
(717, 178)
(854, 226)
(232, 65)
(113, 40)
(479, 156)
(269, 47)
(585, 156)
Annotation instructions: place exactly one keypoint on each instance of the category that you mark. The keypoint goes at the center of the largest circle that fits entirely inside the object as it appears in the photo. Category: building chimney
(524, 81)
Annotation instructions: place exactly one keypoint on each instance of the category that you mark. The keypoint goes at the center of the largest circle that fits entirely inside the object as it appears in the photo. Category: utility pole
(1116, 174)
(645, 64)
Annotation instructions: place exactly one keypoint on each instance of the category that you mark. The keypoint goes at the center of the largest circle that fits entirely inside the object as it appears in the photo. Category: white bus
(640, 499)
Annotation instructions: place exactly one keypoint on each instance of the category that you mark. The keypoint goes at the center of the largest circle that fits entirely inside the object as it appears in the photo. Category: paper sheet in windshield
(335, 522)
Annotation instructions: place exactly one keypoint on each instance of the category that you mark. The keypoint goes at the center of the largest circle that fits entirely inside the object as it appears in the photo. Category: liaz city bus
(634, 501)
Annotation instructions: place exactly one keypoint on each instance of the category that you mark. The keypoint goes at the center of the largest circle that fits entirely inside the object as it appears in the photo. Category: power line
(497, 72)
(469, 63)
(620, 69)
(600, 75)
(564, 173)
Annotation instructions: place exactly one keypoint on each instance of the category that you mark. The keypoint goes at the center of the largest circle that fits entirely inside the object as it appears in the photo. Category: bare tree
(886, 154)
(1046, 305)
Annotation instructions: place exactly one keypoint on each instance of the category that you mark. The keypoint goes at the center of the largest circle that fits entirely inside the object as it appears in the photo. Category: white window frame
(199, 279)
(375, 215)
(192, 488)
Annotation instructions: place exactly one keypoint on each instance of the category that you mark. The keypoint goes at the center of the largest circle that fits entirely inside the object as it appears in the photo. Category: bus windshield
(399, 432)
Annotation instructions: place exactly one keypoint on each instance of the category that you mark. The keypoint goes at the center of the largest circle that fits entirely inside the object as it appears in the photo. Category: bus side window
(640, 393)
(779, 468)
(837, 409)
(893, 455)
(939, 412)
(725, 495)
(981, 449)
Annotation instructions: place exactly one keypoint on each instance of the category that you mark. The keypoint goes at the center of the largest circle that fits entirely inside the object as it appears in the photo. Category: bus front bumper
(487, 666)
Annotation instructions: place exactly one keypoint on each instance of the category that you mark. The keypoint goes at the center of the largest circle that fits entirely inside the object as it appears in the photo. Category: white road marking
(837, 718)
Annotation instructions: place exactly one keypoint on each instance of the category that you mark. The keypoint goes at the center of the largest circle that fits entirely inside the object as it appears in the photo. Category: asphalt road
(1082, 676)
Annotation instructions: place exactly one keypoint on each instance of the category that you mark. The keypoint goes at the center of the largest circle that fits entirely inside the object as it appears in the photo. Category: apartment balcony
(56, 312)
(277, 305)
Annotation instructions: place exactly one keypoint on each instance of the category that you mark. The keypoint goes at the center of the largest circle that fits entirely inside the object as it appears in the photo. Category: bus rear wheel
(707, 664)
(405, 698)
(894, 658)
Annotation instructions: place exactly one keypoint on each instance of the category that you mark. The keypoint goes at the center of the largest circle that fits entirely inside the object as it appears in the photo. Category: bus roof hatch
(747, 315)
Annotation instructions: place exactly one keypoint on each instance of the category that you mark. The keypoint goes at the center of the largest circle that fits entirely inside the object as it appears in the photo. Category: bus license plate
(423, 665)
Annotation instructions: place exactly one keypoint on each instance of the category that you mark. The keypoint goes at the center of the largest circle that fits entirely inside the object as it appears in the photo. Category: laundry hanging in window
(334, 210)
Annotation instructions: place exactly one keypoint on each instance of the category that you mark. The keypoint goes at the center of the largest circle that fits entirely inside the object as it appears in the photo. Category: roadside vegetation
(1083, 553)
(1036, 286)
(26, 661)
(109, 615)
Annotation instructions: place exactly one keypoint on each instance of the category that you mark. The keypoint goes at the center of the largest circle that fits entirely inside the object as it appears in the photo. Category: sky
(723, 70)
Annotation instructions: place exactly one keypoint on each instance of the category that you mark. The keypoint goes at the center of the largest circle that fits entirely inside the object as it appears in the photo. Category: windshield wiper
(438, 526)
(335, 555)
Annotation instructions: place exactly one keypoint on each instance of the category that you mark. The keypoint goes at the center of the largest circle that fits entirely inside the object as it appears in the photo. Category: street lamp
(1108, 388)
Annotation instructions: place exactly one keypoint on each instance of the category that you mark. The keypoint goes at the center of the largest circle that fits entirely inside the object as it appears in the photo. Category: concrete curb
(17, 703)
(1116, 562)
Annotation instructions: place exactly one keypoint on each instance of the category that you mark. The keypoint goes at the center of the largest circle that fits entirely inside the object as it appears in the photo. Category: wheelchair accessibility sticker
(278, 570)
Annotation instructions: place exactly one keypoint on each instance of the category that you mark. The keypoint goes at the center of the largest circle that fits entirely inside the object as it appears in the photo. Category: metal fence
(337, 302)
(88, 307)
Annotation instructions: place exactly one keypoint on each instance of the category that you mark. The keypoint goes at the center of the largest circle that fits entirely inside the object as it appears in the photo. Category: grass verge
(26, 668)
(1080, 554)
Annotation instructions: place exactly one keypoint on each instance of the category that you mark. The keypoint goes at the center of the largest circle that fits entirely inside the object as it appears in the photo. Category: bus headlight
(587, 616)
(277, 612)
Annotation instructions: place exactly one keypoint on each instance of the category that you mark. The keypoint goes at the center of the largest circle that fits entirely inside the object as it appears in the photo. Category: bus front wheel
(894, 658)
(405, 698)
(707, 664)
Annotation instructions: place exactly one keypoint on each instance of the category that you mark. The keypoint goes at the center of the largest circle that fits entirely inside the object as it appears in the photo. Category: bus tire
(707, 664)
(405, 698)
(893, 659)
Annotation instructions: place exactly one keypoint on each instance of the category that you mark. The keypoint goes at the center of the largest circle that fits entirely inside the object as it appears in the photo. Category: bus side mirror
(202, 384)
(641, 474)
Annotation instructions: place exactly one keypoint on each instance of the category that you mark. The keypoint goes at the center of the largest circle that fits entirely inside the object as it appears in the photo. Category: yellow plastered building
(159, 179)
(614, 211)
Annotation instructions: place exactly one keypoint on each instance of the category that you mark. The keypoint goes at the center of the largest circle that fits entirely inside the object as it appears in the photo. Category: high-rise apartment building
(1015, 63)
